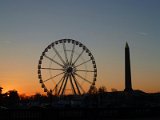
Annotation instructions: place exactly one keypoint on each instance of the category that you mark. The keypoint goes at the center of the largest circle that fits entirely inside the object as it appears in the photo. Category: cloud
(142, 33)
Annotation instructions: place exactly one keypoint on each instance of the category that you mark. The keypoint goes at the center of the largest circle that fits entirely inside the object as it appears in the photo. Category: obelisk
(128, 83)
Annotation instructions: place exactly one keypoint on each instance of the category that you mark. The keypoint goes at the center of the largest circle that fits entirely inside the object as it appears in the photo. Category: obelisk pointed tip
(127, 46)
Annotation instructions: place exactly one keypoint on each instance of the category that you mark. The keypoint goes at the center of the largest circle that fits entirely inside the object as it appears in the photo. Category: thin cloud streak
(142, 33)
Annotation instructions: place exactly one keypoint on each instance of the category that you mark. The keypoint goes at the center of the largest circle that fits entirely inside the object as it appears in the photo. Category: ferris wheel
(67, 67)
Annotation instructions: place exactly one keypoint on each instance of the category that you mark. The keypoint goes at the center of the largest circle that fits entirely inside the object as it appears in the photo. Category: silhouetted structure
(128, 83)
(1, 90)
(68, 84)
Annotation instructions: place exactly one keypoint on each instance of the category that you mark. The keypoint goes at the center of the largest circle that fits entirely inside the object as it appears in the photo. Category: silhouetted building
(128, 83)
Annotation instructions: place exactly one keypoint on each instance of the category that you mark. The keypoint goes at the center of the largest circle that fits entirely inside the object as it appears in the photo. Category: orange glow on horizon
(27, 82)
(32, 89)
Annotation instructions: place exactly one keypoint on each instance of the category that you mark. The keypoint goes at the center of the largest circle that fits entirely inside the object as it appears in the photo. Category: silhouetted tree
(1, 90)
(37, 97)
(1, 96)
(102, 89)
(13, 98)
(114, 90)
(93, 90)
(23, 97)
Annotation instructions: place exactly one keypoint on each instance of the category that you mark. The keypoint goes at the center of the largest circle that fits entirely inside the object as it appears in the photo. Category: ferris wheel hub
(69, 69)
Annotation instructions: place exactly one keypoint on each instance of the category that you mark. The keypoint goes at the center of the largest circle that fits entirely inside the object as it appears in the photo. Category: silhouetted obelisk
(128, 84)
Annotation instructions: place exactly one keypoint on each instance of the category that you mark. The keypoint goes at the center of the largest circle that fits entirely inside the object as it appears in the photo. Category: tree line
(12, 99)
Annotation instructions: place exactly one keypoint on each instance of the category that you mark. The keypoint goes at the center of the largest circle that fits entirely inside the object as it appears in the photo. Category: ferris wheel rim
(69, 69)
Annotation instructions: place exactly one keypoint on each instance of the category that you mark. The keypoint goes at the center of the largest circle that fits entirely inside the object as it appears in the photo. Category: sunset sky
(27, 27)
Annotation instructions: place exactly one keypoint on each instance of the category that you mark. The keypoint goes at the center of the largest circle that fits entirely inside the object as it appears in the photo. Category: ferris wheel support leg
(64, 85)
(61, 85)
(74, 91)
(76, 84)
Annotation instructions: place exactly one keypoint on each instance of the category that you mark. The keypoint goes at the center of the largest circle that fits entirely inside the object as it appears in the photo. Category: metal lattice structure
(67, 66)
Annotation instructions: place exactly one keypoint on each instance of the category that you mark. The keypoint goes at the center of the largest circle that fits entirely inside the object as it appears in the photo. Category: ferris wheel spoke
(76, 84)
(53, 61)
(85, 70)
(58, 54)
(83, 63)
(51, 69)
(78, 57)
(73, 89)
(65, 53)
(61, 80)
(83, 78)
(53, 77)
(71, 57)
(66, 80)
(61, 84)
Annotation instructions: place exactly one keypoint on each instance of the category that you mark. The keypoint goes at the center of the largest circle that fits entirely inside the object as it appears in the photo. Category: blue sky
(104, 26)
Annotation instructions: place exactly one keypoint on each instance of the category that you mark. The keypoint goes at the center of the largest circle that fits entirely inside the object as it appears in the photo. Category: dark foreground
(82, 114)
(136, 105)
